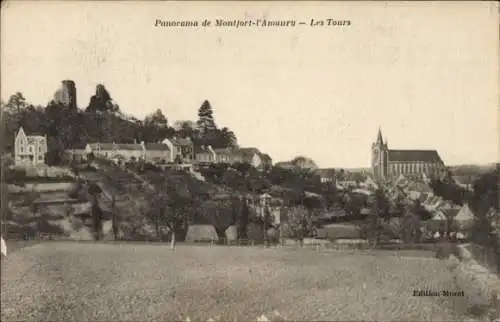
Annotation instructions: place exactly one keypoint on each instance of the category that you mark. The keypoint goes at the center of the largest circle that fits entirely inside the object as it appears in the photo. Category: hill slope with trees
(102, 121)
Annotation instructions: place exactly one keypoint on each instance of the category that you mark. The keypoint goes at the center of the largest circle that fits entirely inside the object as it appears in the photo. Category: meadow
(64, 281)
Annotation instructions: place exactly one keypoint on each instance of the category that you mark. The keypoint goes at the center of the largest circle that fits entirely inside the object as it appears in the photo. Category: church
(387, 164)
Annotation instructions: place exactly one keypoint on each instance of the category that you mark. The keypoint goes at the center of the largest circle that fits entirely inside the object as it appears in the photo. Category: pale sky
(426, 73)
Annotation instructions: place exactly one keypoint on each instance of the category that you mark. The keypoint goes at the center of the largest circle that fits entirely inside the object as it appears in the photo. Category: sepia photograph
(250, 161)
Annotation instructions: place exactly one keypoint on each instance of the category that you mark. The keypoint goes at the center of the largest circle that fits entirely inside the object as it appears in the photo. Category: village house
(326, 175)
(205, 154)
(369, 183)
(443, 217)
(347, 183)
(118, 151)
(267, 161)
(29, 149)
(131, 151)
(76, 153)
(304, 163)
(256, 158)
(157, 153)
(229, 156)
(466, 182)
(180, 148)
(298, 163)
(252, 156)
(102, 150)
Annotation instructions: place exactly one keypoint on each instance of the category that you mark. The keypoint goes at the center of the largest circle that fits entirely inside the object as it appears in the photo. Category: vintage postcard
(250, 161)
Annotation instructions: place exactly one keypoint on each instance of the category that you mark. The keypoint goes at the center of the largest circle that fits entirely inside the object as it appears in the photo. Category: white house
(29, 149)
(370, 184)
(125, 151)
(205, 154)
(180, 147)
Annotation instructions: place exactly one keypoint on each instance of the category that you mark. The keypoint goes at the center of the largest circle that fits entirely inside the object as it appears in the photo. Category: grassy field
(13, 246)
(90, 282)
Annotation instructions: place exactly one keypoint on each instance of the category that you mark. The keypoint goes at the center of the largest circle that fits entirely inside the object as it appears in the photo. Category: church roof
(414, 155)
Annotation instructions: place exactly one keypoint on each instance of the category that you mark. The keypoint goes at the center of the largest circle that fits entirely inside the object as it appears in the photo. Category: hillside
(102, 121)
(130, 196)
(471, 169)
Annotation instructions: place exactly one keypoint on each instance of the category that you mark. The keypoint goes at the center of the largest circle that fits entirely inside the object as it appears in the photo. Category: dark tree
(171, 208)
(243, 220)
(206, 122)
(94, 190)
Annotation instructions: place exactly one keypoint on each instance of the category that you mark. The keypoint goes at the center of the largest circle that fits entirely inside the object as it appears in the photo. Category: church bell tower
(379, 157)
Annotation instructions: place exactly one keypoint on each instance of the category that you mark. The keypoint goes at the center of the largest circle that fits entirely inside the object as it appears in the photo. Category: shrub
(15, 175)
(484, 204)
(445, 249)
(299, 223)
(76, 223)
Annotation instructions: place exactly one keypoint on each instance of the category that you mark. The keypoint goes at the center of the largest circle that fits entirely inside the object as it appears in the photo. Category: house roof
(452, 212)
(363, 191)
(432, 198)
(102, 146)
(226, 151)
(438, 216)
(200, 149)
(411, 185)
(465, 213)
(266, 157)
(75, 151)
(79, 146)
(116, 146)
(128, 146)
(422, 187)
(326, 173)
(248, 152)
(284, 164)
(464, 179)
(156, 146)
(414, 155)
(182, 141)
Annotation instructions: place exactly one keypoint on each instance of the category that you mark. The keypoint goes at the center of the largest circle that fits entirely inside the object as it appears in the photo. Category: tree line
(102, 121)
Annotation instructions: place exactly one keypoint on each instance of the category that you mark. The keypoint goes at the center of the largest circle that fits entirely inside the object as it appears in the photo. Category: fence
(310, 243)
(28, 236)
(40, 187)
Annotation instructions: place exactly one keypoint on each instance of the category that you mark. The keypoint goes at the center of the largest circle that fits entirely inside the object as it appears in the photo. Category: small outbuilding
(232, 233)
(201, 233)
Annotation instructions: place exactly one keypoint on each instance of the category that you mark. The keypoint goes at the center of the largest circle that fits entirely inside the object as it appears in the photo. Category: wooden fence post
(114, 226)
